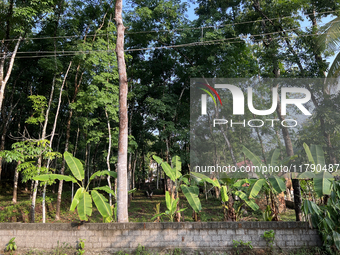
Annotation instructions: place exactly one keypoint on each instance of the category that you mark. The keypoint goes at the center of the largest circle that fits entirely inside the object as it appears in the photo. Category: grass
(142, 208)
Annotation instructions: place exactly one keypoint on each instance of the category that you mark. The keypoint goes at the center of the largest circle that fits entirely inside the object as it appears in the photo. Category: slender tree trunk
(108, 155)
(290, 153)
(122, 196)
(16, 178)
(4, 79)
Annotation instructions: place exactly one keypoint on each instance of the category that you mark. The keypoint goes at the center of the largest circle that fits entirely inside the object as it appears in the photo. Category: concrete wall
(104, 238)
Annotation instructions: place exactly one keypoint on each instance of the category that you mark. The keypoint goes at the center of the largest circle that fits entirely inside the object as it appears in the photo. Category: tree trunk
(16, 178)
(3, 79)
(108, 155)
(122, 196)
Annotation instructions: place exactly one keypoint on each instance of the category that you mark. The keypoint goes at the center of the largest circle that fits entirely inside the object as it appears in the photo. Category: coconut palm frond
(330, 36)
(334, 70)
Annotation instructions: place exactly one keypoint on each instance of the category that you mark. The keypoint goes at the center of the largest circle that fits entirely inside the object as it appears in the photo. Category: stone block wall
(108, 238)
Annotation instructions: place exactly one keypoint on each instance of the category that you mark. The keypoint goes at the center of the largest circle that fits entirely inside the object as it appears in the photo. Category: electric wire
(161, 31)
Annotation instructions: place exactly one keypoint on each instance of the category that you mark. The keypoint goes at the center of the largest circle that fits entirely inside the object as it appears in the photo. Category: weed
(177, 251)
(81, 247)
(269, 237)
(240, 245)
(141, 250)
(11, 246)
(62, 250)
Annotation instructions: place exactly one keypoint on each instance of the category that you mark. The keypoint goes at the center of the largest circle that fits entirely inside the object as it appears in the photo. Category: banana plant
(189, 188)
(326, 218)
(269, 182)
(83, 197)
(322, 179)
(171, 205)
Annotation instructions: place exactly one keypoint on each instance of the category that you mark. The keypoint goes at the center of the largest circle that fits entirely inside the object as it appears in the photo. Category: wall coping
(74, 226)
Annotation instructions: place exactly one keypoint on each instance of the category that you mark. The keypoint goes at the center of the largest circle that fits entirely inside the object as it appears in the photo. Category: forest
(60, 106)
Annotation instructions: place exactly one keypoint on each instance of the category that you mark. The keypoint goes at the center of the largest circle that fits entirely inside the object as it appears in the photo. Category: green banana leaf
(318, 155)
(239, 183)
(336, 238)
(323, 183)
(174, 205)
(104, 172)
(224, 194)
(106, 189)
(101, 204)
(309, 154)
(191, 193)
(171, 173)
(168, 200)
(76, 198)
(244, 197)
(275, 157)
(75, 166)
(254, 159)
(306, 175)
(277, 184)
(206, 179)
(85, 206)
(256, 188)
(51, 177)
(132, 191)
(176, 160)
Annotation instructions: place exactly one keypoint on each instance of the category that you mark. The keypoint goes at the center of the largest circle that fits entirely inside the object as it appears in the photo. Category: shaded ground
(142, 208)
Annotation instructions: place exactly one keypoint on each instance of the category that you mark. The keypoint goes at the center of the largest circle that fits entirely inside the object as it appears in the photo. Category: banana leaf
(171, 173)
(191, 193)
(318, 155)
(224, 194)
(76, 198)
(309, 154)
(256, 188)
(85, 206)
(51, 177)
(106, 189)
(277, 184)
(176, 160)
(275, 157)
(104, 172)
(206, 179)
(75, 166)
(244, 197)
(323, 183)
(101, 204)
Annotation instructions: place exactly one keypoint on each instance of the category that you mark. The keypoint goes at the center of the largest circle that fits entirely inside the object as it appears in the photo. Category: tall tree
(122, 190)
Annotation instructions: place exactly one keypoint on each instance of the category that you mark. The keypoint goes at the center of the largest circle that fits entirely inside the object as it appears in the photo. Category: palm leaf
(75, 165)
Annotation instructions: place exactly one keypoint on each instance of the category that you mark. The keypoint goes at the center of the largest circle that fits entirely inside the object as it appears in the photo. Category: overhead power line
(237, 39)
(162, 31)
(201, 43)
